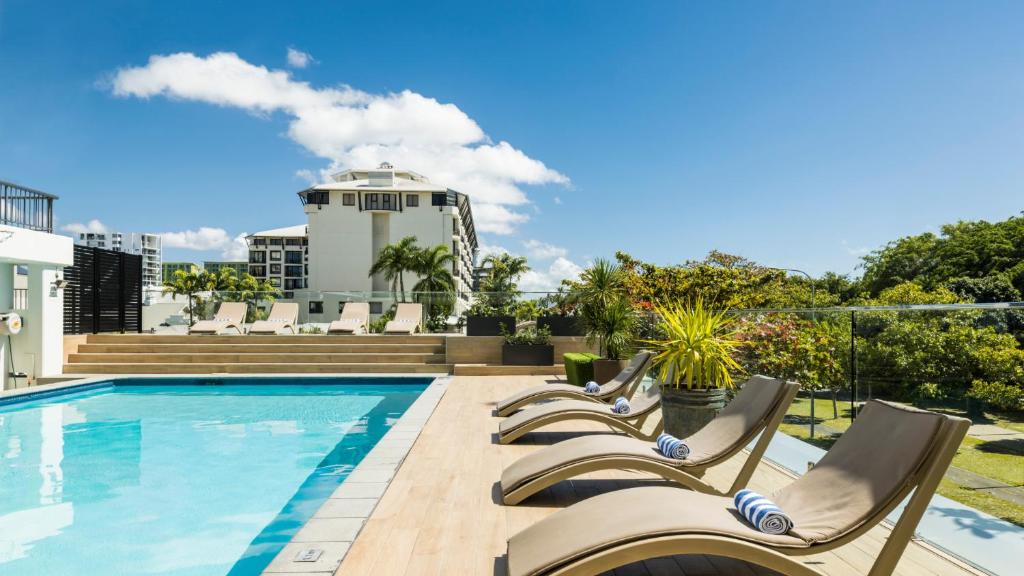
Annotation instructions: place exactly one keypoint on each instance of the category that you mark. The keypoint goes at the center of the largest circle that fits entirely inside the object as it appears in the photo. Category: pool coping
(327, 536)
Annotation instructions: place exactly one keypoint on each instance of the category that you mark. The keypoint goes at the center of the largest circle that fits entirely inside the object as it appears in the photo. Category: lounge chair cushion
(862, 473)
(581, 449)
(627, 515)
(537, 390)
(541, 410)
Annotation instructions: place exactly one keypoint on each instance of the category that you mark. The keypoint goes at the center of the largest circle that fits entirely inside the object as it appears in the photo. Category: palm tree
(434, 268)
(600, 298)
(190, 284)
(394, 260)
(500, 284)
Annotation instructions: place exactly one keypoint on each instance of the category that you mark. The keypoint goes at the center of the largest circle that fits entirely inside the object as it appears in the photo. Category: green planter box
(579, 367)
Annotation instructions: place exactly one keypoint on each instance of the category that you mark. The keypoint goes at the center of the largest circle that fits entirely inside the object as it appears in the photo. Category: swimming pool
(183, 477)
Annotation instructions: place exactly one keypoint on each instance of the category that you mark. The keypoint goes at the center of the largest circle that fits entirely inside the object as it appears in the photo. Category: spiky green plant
(698, 347)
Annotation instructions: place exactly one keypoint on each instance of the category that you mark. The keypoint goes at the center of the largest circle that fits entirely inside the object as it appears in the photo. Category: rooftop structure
(280, 256)
(214, 267)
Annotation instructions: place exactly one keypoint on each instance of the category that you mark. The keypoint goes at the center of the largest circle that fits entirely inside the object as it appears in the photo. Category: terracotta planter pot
(605, 370)
(686, 411)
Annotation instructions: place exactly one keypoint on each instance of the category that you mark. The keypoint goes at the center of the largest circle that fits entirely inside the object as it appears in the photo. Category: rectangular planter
(560, 325)
(579, 367)
(490, 325)
(527, 355)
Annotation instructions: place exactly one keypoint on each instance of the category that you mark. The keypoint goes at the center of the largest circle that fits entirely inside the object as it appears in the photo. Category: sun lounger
(229, 315)
(407, 320)
(282, 315)
(642, 406)
(355, 317)
(622, 385)
(757, 409)
(889, 452)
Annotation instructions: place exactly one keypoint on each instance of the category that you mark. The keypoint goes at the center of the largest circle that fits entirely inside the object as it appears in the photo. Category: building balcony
(26, 208)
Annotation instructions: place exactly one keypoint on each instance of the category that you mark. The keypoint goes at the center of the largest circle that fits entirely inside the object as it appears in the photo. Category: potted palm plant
(605, 314)
(528, 347)
(695, 362)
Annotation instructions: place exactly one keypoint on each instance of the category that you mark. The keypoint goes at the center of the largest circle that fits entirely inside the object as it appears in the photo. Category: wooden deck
(442, 513)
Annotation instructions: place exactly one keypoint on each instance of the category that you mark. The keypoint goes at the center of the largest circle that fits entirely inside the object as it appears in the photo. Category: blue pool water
(179, 478)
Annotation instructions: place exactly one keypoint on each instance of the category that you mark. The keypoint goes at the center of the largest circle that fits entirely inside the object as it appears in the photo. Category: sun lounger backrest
(638, 363)
(355, 311)
(284, 312)
(868, 471)
(409, 312)
(233, 311)
(743, 418)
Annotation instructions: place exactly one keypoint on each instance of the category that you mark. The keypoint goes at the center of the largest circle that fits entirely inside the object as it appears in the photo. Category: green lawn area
(978, 456)
(1007, 420)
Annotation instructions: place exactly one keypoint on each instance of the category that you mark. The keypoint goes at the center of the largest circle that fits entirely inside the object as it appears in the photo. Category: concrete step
(255, 358)
(101, 369)
(499, 370)
(292, 339)
(259, 348)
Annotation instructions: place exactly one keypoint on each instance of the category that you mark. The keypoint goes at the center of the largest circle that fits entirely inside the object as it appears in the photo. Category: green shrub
(579, 367)
(998, 395)
(311, 329)
(529, 336)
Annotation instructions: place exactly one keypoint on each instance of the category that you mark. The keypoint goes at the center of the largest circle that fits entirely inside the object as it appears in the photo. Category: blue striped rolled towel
(673, 447)
(592, 387)
(762, 513)
(621, 405)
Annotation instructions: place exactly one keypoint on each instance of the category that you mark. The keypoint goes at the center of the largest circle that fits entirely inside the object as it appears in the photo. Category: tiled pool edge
(337, 523)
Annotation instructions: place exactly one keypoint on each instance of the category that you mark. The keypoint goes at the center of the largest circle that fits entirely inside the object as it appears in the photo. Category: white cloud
(486, 250)
(205, 238)
(538, 250)
(351, 128)
(94, 226)
(298, 58)
(558, 200)
(307, 176)
(548, 280)
(237, 250)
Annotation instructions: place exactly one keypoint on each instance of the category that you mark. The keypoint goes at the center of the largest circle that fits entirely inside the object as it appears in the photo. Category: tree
(394, 261)
(190, 284)
(601, 300)
(434, 268)
(499, 286)
(247, 288)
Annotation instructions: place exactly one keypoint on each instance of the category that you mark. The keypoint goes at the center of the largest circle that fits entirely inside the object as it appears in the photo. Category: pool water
(179, 478)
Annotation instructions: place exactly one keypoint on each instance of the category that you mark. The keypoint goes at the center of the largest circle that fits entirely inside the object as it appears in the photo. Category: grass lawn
(1007, 420)
(985, 458)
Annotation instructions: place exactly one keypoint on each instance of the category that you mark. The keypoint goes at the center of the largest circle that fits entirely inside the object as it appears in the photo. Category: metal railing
(26, 208)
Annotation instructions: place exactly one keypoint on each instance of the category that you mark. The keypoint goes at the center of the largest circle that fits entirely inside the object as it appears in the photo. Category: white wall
(38, 349)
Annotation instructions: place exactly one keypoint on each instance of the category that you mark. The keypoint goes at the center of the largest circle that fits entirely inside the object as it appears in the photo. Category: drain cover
(308, 555)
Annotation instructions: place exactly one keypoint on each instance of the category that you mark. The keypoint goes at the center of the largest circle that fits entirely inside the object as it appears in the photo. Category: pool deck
(442, 514)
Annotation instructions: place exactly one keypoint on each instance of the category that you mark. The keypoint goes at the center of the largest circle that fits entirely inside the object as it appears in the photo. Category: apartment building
(149, 246)
(280, 256)
(352, 217)
(169, 268)
(214, 267)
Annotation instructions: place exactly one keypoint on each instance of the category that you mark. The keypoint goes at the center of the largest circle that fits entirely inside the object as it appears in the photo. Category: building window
(318, 197)
(293, 242)
(258, 257)
(275, 255)
(276, 242)
(275, 282)
(293, 284)
(289, 295)
(378, 201)
(293, 257)
(348, 199)
(316, 307)
(376, 308)
(412, 200)
(258, 271)
(275, 268)
(259, 241)
(438, 199)
(292, 271)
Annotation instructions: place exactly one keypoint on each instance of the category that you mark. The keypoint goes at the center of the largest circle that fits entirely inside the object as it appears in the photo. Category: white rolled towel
(762, 513)
(621, 405)
(673, 447)
(592, 387)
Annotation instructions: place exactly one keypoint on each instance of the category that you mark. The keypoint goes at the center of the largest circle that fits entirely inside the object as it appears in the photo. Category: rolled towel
(592, 387)
(762, 513)
(673, 447)
(621, 405)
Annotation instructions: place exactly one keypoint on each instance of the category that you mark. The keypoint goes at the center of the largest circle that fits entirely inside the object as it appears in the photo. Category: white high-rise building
(149, 246)
(353, 217)
(280, 256)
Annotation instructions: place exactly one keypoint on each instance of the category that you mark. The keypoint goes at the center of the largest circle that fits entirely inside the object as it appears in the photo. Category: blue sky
(798, 134)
